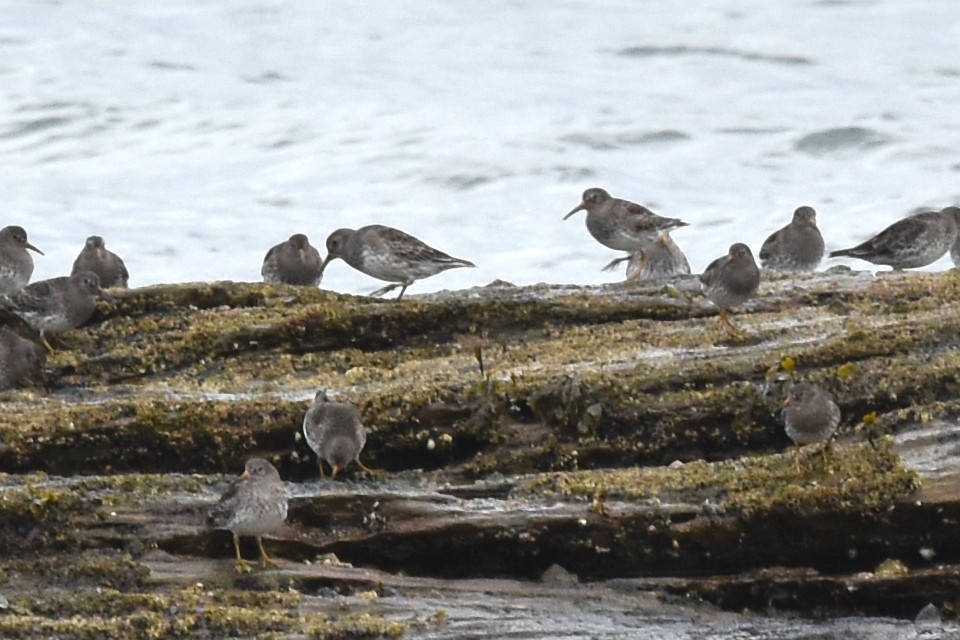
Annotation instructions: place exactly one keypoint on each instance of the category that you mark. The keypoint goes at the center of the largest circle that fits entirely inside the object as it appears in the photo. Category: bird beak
(245, 475)
(335, 469)
(33, 248)
(106, 296)
(786, 402)
(326, 261)
(580, 207)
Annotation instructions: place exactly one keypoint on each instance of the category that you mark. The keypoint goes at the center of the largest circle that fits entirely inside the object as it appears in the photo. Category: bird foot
(242, 566)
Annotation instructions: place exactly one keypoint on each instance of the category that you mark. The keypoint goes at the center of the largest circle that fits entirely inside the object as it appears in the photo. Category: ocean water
(193, 135)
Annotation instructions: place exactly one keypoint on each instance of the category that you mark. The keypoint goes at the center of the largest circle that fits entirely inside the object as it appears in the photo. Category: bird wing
(270, 258)
(770, 245)
(32, 297)
(221, 512)
(903, 232)
(412, 250)
(710, 273)
(124, 274)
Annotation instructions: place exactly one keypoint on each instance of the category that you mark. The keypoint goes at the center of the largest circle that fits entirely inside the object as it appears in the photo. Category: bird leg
(727, 322)
(43, 341)
(264, 558)
(242, 566)
(613, 264)
(320, 467)
(636, 272)
(364, 467)
(385, 290)
(824, 450)
(796, 456)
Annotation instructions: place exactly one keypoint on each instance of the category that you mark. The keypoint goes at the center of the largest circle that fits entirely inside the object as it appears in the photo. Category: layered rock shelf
(547, 440)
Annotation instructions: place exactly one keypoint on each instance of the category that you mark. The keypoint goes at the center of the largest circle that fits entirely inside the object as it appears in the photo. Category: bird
(810, 415)
(911, 242)
(294, 261)
(335, 432)
(731, 280)
(254, 504)
(657, 260)
(797, 246)
(16, 265)
(19, 358)
(57, 304)
(106, 264)
(621, 224)
(388, 254)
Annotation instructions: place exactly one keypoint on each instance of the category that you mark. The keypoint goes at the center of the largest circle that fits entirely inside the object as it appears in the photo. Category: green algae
(613, 383)
(856, 477)
(191, 612)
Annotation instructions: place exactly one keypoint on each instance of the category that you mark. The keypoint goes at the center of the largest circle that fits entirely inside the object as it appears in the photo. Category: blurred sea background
(193, 135)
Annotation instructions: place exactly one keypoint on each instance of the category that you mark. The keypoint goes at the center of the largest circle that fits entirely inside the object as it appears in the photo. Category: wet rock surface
(549, 459)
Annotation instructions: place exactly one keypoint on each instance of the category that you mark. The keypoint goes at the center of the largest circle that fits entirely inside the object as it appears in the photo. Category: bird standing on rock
(731, 280)
(57, 304)
(797, 246)
(16, 265)
(621, 224)
(255, 504)
(810, 415)
(388, 254)
(335, 432)
(294, 261)
(106, 264)
(910, 243)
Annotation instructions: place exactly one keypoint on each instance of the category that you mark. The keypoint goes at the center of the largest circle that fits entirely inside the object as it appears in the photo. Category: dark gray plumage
(57, 304)
(16, 265)
(797, 246)
(255, 504)
(810, 415)
(621, 224)
(731, 280)
(106, 264)
(388, 254)
(294, 261)
(19, 359)
(335, 432)
(910, 243)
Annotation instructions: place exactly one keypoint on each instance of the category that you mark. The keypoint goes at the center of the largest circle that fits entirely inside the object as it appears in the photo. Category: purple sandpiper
(106, 264)
(810, 415)
(910, 243)
(294, 261)
(658, 260)
(388, 254)
(335, 432)
(797, 246)
(621, 224)
(57, 304)
(731, 280)
(255, 504)
(16, 265)
(19, 358)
